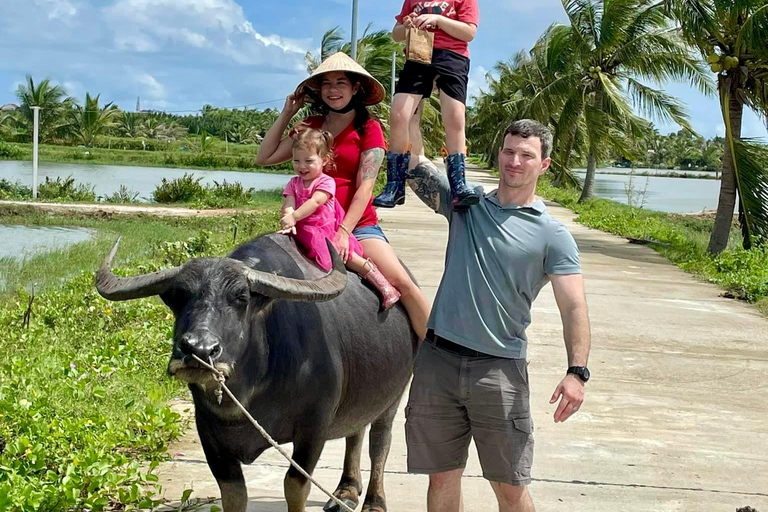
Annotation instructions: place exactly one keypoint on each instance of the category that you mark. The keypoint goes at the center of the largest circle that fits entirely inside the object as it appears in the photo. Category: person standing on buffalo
(471, 375)
(454, 23)
(341, 90)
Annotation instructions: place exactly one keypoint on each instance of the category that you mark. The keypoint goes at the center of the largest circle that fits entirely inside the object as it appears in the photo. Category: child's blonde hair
(319, 141)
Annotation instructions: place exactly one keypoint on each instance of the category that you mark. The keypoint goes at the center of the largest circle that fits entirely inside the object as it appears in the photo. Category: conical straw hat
(372, 90)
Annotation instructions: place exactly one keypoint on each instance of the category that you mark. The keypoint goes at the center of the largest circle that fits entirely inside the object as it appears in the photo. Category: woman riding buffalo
(342, 89)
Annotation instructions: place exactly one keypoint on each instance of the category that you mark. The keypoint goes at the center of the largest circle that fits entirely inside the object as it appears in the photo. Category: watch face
(585, 374)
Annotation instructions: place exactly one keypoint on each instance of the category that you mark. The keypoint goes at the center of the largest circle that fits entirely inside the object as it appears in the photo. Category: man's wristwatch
(581, 372)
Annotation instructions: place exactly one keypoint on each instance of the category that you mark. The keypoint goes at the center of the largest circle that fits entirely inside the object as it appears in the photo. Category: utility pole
(36, 132)
(353, 53)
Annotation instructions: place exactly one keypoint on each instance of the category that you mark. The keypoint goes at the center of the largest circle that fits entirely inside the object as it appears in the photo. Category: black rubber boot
(397, 173)
(462, 196)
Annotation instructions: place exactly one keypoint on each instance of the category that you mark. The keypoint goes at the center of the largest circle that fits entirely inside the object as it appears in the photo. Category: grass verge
(83, 392)
(683, 239)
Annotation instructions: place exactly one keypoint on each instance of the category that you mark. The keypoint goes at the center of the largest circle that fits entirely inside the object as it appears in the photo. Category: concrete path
(674, 419)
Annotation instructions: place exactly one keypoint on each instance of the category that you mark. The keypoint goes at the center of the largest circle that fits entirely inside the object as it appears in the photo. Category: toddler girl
(311, 213)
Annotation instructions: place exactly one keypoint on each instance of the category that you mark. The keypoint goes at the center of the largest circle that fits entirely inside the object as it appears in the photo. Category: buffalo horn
(318, 290)
(112, 287)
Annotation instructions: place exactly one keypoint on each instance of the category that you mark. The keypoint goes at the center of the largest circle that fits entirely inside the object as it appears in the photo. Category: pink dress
(312, 231)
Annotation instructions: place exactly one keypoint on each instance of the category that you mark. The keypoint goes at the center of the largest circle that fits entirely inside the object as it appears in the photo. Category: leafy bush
(65, 189)
(178, 253)
(68, 443)
(181, 190)
(9, 190)
(225, 195)
(123, 195)
(8, 151)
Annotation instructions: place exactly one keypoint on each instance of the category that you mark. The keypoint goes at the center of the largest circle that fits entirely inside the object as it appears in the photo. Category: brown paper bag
(418, 45)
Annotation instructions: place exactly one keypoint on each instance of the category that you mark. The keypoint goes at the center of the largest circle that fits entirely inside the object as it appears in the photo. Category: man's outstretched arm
(432, 187)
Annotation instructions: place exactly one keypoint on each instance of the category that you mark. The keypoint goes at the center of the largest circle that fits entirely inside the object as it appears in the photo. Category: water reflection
(20, 242)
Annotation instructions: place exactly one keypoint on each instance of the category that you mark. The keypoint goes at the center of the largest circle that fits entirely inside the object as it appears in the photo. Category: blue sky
(181, 54)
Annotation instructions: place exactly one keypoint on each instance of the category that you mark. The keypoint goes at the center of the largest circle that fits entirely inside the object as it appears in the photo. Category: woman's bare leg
(417, 305)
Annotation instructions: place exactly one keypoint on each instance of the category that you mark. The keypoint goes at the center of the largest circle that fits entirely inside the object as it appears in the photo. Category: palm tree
(732, 36)
(522, 79)
(90, 120)
(374, 53)
(129, 124)
(600, 62)
(53, 102)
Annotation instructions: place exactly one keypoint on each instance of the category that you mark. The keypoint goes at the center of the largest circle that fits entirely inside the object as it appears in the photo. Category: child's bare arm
(289, 203)
(458, 29)
(308, 208)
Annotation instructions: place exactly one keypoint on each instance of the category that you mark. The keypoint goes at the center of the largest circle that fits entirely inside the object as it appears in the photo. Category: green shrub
(65, 189)
(9, 190)
(66, 444)
(178, 253)
(181, 190)
(123, 195)
(9, 151)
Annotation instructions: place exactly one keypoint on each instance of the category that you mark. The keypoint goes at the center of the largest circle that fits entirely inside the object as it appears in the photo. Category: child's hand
(288, 222)
(425, 21)
(408, 20)
(288, 231)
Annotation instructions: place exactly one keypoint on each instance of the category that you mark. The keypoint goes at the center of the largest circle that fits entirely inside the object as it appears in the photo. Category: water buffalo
(309, 355)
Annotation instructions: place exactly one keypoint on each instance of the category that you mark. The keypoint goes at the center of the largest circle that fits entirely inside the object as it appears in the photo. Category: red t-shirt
(465, 11)
(348, 147)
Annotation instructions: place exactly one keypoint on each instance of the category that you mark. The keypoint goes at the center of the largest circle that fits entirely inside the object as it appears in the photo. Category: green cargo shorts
(457, 396)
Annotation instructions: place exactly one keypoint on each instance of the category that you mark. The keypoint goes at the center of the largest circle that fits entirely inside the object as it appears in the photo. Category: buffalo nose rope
(220, 379)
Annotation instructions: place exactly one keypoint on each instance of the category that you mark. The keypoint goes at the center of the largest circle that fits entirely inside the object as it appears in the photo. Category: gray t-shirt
(497, 260)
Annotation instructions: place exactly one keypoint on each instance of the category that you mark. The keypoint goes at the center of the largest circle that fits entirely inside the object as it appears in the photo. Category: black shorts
(449, 68)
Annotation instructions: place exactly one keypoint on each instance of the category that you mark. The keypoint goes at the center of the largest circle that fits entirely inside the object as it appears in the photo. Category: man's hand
(425, 21)
(571, 389)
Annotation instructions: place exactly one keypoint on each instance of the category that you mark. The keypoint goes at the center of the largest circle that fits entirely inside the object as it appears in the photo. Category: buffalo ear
(174, 300)
(260, 302)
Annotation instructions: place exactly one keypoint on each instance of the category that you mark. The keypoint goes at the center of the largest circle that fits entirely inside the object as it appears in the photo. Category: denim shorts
(368, 232)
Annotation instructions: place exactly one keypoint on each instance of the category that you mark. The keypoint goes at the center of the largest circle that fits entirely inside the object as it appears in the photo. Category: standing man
(454, 23)
(470, 376)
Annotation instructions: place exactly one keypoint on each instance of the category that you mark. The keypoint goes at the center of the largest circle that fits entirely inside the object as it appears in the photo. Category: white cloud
(58, 9)
(152, 87)
(175, 54)
(219, 26)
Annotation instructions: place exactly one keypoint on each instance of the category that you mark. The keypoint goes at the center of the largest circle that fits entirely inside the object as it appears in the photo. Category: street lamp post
(353, 52)
(35, 136)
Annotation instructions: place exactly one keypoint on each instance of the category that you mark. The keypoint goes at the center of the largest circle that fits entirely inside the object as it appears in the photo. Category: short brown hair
(529, 128)
(319, 141)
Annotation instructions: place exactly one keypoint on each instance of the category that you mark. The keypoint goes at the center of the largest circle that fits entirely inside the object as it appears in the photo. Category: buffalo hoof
(374, 504)
(332, 506)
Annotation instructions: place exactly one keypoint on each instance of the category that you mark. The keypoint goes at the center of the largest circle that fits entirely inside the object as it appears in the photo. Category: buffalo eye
(241, 299)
